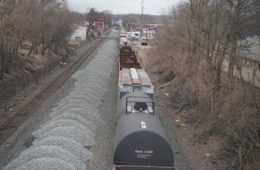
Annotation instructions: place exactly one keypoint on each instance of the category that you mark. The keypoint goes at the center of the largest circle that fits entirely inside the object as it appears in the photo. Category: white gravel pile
(46, 163)
(67, 144)
(63, 123)
(47, 152)
(87, 111)
(74, 116)
(63, 142)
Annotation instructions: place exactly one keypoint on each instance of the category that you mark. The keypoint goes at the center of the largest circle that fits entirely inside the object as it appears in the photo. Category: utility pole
(142, 16)
(142, 7)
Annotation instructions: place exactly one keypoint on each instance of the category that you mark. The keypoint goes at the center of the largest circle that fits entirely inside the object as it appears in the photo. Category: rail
(13, 123)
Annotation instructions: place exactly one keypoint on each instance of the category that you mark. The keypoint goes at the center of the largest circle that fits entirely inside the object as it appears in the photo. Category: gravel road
(74, 129)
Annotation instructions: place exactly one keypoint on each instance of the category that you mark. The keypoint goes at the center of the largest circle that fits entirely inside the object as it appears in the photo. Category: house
(99, 26)
(79, 34)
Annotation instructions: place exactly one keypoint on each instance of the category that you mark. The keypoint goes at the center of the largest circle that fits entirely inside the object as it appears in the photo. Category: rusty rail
(13, 123)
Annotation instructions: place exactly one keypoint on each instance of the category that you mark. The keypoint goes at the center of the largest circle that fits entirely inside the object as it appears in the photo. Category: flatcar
(140, 140)
(134, 80)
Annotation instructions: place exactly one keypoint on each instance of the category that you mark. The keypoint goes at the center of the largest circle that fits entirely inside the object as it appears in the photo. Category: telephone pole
(142, 15)
(142, 7)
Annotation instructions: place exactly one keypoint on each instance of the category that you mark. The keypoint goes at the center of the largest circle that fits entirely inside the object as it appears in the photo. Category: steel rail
(14, 122)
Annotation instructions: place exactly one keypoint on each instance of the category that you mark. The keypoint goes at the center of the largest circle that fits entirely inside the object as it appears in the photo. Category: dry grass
(231, 115)
(193, 43)
(242, 150)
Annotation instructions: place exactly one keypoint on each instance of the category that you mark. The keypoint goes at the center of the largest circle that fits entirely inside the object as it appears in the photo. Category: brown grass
(230, 116)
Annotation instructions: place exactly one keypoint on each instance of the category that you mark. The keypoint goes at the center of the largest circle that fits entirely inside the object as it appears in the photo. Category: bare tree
(43, 23)
(9, 39)
(197, 39)
(241, 12)
(94, 15)
(91, 17)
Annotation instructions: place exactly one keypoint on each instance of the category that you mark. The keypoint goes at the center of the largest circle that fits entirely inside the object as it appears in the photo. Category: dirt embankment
(171, 100)
(177, 114)
(28, 70)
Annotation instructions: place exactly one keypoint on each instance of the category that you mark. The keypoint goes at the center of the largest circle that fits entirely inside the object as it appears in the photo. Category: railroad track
(13, 123)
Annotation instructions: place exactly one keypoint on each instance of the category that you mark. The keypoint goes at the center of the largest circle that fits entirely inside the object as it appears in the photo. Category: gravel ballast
(65, 141)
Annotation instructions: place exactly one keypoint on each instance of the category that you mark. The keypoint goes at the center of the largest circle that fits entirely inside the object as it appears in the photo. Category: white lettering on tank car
(143, 125)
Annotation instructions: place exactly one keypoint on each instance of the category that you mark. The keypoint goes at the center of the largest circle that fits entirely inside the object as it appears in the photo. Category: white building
(79, 33)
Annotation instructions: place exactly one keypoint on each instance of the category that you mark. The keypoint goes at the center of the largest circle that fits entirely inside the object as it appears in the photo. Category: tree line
(195, 40)
(46, 24)
(94, 15)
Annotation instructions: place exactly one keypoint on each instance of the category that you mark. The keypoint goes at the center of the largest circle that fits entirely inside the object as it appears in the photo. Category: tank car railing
(139, 102)
(129, 167)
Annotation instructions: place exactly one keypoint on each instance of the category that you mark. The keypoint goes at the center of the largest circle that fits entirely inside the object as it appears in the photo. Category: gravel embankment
(79, 121)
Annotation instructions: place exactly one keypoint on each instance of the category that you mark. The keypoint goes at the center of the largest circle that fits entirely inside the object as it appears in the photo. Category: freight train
(140, 140)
